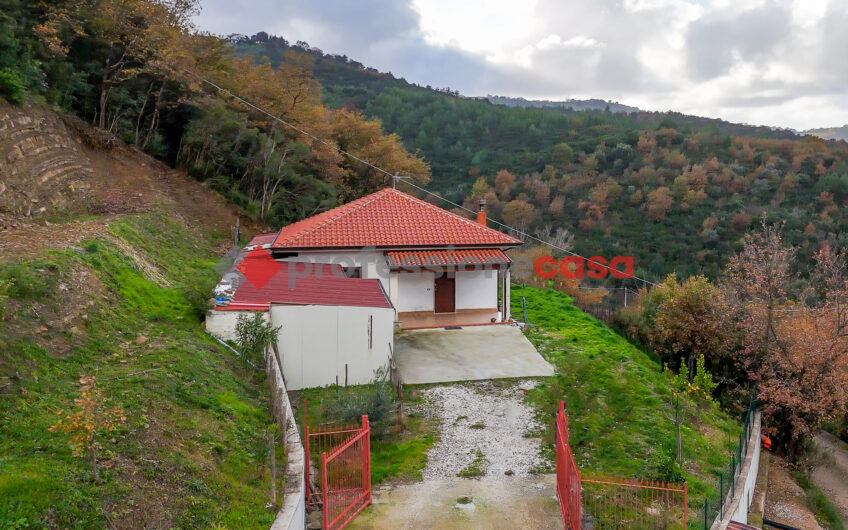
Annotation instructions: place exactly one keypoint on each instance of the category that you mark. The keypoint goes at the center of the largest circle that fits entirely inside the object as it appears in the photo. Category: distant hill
(573, 104)
(830, 133)
(676, 191)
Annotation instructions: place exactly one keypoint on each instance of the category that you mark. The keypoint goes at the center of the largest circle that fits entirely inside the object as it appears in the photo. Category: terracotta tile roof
(388, 218)
(263, 239)
(423, 258)
(309, 284)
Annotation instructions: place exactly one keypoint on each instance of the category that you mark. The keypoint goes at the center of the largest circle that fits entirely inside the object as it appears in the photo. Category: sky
(781, 63)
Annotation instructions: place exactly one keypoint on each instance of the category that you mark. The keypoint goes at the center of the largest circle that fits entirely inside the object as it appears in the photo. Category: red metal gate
(567, 474)
(605, 502)
(343, 457)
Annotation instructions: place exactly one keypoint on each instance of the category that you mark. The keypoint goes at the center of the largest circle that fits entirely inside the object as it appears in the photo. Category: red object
(567, 474)
(300, 283)
(263, 239)
(343, 455)
(614, 502)
(425, 258)
(388, 218)
(259, 267)
(766, 442)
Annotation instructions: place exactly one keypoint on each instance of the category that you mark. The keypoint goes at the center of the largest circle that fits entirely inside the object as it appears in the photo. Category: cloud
(776, 62)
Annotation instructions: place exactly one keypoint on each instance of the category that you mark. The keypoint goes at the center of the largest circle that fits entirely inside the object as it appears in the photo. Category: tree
(562, 155)
(797, 354)
(688, 321)
(91, 418)
(519, 214)
(659, 202)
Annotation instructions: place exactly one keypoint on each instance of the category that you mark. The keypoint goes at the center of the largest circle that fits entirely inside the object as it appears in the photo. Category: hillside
(830, 133)
(110, 282)
(572, 104)
(619, 402)
(677, 192)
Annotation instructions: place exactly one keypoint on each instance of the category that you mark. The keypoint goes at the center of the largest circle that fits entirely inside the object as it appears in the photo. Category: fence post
(685, 505)
(721, 493)
(706, 512)
(524, 305)
(308, 462)
(272, 444)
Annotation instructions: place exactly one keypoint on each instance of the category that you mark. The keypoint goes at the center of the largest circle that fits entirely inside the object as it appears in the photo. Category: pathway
(485, 429)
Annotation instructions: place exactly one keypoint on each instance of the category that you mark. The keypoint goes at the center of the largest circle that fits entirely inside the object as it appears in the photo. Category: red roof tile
(309, 284)
(423, 258)
(388, 218)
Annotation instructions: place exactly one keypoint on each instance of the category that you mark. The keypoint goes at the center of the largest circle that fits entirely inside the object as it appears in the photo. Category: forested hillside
(675, 191)
(136, 70)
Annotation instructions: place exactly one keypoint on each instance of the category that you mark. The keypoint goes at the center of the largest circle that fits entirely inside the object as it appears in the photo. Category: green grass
(617, 399)
(192, 452)
(825, 511)
(477, 467)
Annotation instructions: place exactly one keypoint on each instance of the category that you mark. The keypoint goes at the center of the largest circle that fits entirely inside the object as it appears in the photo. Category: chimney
(481, 214)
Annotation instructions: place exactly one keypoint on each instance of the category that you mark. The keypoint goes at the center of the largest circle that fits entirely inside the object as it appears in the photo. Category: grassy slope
(617, 399)
(191, 452)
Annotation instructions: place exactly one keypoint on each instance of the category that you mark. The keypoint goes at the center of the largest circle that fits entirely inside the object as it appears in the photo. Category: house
(438, 268)
(337, 283)
(332, 329)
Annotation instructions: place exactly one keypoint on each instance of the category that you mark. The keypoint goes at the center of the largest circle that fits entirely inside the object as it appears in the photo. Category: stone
(141, 339)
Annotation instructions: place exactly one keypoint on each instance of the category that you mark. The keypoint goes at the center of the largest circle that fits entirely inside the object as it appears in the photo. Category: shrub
(4, 298)
(254, 335)
(12, 87)
(376, 399)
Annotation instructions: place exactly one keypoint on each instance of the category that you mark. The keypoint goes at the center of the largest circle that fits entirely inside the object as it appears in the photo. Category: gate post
(325, 508)
(366, 456)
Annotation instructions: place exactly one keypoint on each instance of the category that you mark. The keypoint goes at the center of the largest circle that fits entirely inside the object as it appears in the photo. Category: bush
(26, 282)
(12, 87)
(4, 298)
(254, 335)
(377, 400)
(665, 466)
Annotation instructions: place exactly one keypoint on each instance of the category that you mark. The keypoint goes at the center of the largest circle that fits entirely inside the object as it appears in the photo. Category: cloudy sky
(772, 62)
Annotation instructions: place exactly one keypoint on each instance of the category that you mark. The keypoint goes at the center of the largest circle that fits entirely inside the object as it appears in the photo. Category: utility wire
(396, 178)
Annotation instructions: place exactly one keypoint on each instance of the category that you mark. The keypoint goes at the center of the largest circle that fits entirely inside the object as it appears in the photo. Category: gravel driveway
(484, 426)
(486, 417)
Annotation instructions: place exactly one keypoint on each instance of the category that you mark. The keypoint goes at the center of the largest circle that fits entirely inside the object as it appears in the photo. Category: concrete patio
(467, 354)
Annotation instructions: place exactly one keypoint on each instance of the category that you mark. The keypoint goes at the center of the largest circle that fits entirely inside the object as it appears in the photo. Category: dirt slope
(61, 181)
(831, 472)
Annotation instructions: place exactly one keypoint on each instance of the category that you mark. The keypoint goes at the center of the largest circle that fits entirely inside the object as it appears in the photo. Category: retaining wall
(736, 505)
(292, 513)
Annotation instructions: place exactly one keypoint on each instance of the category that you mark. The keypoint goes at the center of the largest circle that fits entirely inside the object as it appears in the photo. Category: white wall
(222, 324)
(316, 342)
(737, 505)
(414, 291)
(477, 289)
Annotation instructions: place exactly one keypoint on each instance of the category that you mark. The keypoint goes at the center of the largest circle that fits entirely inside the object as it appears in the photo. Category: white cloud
(776, 62)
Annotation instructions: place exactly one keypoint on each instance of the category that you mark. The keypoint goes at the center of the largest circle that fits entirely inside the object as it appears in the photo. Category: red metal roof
(388, 218)
(263, 239)
(423, 258)
(299, 283)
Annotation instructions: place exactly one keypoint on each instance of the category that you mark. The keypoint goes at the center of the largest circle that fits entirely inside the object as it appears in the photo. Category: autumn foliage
(90, 418)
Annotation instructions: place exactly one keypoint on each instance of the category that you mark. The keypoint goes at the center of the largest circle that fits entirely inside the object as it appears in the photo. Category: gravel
(486, 417)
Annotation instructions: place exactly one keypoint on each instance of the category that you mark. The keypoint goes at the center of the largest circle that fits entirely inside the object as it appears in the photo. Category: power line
(395, 178)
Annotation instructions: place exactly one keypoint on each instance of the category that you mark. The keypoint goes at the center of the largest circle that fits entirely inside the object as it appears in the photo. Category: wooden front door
(445, 294)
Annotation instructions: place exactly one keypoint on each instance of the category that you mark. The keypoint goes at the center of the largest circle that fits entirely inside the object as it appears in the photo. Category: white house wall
(316, 342)
(476, 289)
(414, 291)
(222, 324)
